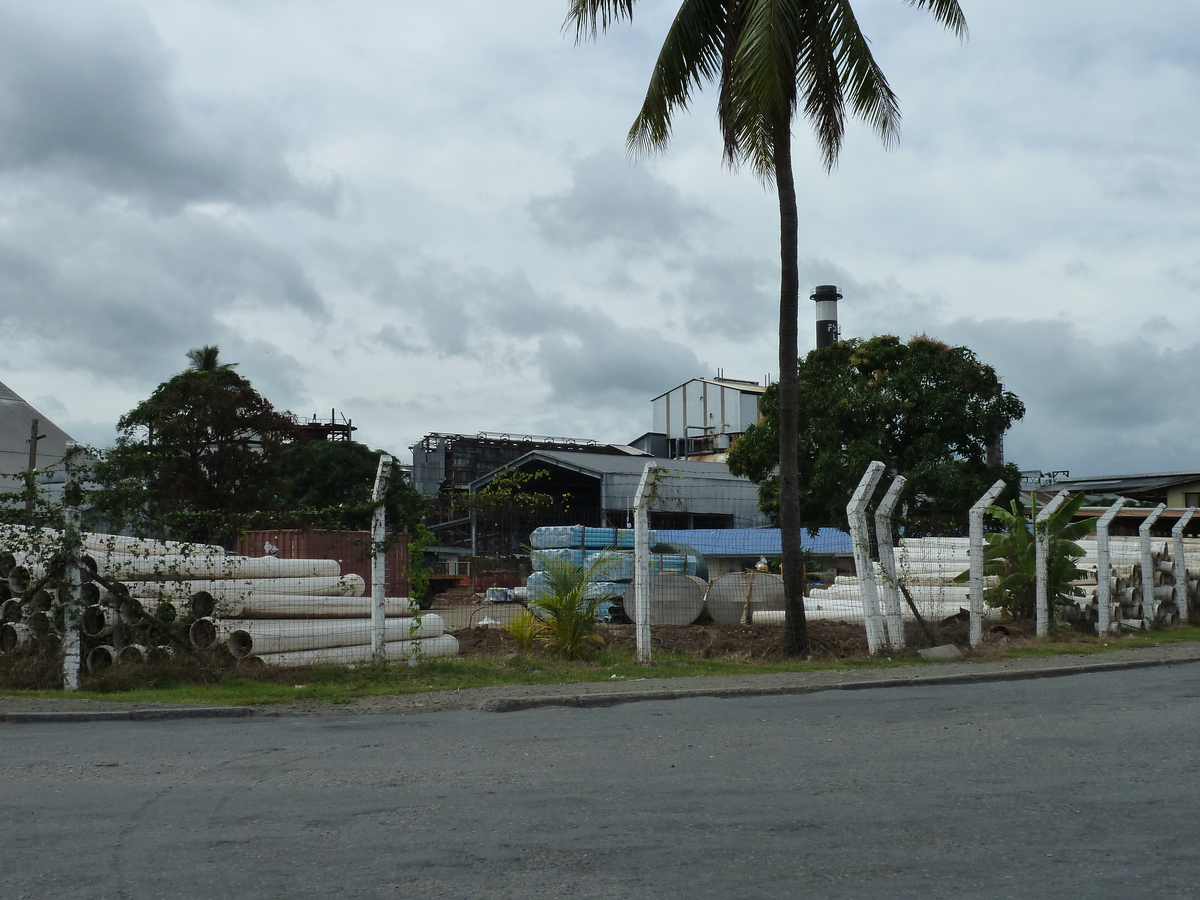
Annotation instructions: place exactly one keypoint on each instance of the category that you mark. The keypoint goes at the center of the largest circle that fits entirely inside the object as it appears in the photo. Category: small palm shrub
(567, 608)
(1010, 555)
(526, 630)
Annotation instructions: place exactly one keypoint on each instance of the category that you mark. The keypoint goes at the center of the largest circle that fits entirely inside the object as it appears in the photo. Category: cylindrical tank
(675, 599)
(726, 600)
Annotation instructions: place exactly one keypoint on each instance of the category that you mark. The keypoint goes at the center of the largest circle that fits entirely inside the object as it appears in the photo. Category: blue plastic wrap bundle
(537, 585)
(575, 557)
(606, 589)
(617, 566)
(554, 537)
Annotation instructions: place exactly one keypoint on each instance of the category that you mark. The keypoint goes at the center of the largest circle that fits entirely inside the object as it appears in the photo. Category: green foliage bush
(1010, 556)
(567, 608)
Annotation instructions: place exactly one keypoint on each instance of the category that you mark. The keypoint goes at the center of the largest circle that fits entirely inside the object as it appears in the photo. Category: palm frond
(947, 12)
(760, 84)
(590, 17)
(871, 99)
(690, 57)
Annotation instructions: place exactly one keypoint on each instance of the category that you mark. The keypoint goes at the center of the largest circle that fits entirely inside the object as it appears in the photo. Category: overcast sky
(422, 215)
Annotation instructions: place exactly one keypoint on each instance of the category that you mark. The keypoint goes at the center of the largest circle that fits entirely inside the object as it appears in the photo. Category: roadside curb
(126, 715)
(615, 698)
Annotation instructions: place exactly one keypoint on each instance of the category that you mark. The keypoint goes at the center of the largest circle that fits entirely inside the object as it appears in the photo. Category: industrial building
(599, 490)
(21, 424)
(450, 463)
(701, 418)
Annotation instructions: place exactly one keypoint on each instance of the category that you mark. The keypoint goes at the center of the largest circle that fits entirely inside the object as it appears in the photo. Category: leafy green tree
(770, 59)
(1010, 555)
(929, 411)
(331, 483)
(202, 450)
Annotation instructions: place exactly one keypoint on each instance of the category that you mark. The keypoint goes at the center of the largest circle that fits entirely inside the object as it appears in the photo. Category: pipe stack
(146, 599)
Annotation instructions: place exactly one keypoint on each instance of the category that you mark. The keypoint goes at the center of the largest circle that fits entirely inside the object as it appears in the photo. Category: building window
(1191, 499)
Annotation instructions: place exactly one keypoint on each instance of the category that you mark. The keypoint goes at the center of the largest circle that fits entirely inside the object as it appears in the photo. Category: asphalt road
(1082, 786)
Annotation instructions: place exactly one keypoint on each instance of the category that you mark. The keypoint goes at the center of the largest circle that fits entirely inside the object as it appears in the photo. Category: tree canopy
(332, 481)
(206, 456)
(929, 411)
(202, 449)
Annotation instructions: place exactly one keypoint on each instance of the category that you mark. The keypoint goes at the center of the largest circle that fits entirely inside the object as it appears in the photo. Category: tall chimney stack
(826, 297)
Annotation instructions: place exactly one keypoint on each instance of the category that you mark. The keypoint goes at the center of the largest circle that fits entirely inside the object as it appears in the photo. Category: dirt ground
(830, 640)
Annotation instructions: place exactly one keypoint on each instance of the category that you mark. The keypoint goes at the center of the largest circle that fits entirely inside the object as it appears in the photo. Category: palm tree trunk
(795, 639)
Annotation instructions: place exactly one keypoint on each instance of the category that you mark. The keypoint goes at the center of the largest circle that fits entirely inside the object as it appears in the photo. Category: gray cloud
(122, 295)
(86, 94)
(585, 356)
(737, 297)
(610, 364)
(614, 201)
(1093, 408)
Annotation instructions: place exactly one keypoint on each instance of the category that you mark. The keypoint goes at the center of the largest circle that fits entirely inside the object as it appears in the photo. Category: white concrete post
(1181, 594)
(72, 583)
(379, 559)
(641, 561)
(1104, 622)
(894, 618)
(1149, 601)
(1041, 547)
(975, 558)
(856, 512)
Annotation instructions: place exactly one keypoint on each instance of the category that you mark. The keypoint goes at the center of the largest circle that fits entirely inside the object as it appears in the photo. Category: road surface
(1081, 786)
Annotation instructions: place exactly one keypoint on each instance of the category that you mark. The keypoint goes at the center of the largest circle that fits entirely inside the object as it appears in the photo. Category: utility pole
(30, 477)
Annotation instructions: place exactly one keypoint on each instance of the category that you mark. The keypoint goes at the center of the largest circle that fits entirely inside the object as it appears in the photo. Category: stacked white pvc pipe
(266, 607)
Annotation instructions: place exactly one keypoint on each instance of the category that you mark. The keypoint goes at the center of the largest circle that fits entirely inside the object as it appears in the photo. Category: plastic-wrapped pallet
(541, 557)
(555, 537)
(539, 584)
(613, 589)
(616, 566)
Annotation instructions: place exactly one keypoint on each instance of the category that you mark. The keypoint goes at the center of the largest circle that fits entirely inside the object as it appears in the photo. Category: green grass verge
(1073, 643)
(343, 684)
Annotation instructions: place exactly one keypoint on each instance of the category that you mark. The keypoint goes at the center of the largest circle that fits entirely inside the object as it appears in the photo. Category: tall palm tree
(207, 359)
(769, 58)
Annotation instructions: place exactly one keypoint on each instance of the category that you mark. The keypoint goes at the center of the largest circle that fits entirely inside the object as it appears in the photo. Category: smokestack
(826, 297)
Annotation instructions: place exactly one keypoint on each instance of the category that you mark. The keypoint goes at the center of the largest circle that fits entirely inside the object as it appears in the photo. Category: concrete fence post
(1180, 563)
(1149, 601)
(641, 560)
(1041, 549)
(72, 582)
(860, 536)
(1104, 622)
(975, 559)
(379, 559)
(894, 618)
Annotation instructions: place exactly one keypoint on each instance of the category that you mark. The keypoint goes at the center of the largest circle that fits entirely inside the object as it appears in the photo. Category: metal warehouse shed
(602, 488)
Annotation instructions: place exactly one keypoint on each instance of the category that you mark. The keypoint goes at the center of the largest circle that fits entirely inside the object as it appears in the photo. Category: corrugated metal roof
(599, 466)
(755, 541)
(1129, 485)
(16, 417)
(734, 384)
